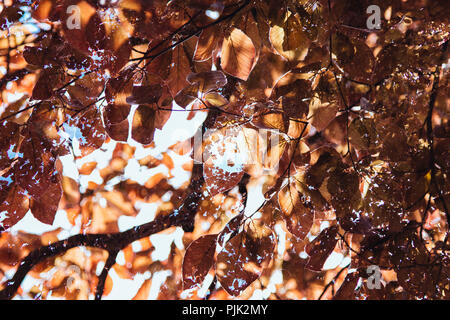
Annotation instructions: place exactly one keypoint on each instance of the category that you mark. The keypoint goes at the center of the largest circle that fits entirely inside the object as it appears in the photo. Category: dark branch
(102, 277)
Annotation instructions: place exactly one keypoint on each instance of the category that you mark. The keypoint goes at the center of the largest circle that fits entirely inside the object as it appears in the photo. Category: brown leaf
(77, 37)
(362, 134)
(44, 205)
(207, 41)
(71, 191)
(116, 121)
(91, 133)
(14, 205)
(198, 260)
(179, 72)
(271, 119)
(145, 94)
(323, 160)
(298, 218)
(86, 90)
(347, 289)
(260, 243)
(187, 95)
(49, 79)
(144, 290)
(289, 41)
(223, 163)
(244, 257)
(235, 269)
(410, 256)
(215, 99)
(311, 196)
(143, 127)
(301, 156)
(88, 167)
(161, 66)
(344, 190)
(294, 97)
(8, 144)
(219, 180)
(321, 114)
(36, 166)
(321, 248)
(238, 54)
(162, 116)
(208, 81)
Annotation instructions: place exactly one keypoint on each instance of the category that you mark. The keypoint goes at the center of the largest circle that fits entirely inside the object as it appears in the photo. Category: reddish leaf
(347, 289)
(143, 124)
(321, 114)
(223, 165)
(35, 169)
(34, 55)
(208, 81)
(35, 166)
(324, 160)
(292, 96)
(321, 248)
(219, 179)
(187, 95)
(91, 134)
(292, 45)
(344, 190)
(410, 256)
(86, 90)
(260, 243)
(232, 268)
(271, 119)
(145, 94)
(120, 87)
(116, 121)
(14, 205)
(362, 134)
(181, 68)
(238, 54)
(49, 79)
(242, 260)
(44, 205)
(10, 14)
(161, 66)
(207, 41)
(215, 99)
(298, 218)
(198, 259)
(162, 116)
(144, 290)
(8, 143)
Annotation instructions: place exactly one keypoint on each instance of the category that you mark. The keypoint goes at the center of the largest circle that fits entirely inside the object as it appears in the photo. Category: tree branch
(102, 277)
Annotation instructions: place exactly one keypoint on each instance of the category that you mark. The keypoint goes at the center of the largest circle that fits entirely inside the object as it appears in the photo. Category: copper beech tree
(337, 187)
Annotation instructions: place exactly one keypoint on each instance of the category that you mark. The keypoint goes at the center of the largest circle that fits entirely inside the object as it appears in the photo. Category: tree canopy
(274, 149)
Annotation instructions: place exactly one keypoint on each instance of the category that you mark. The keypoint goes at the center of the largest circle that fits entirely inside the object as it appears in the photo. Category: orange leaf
(238, 54)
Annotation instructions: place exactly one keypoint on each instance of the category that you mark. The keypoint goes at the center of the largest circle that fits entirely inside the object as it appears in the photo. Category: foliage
(353, 125)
